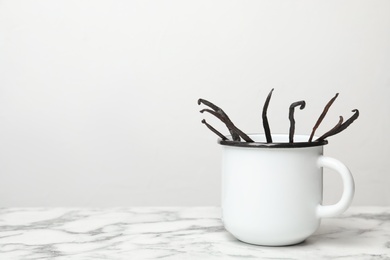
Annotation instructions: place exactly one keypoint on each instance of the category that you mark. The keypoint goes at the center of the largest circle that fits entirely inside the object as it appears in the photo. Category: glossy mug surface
(272, 194)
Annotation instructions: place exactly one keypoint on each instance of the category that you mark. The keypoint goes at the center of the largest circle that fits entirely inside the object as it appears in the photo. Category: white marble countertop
(177, 233)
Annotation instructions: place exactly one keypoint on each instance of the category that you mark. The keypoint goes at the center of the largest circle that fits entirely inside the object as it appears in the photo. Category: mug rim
(273, 144)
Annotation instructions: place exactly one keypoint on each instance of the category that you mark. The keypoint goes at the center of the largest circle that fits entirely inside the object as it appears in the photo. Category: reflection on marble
(177, 233)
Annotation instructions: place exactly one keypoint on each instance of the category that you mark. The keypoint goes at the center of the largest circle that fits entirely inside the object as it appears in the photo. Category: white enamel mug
(272, 193)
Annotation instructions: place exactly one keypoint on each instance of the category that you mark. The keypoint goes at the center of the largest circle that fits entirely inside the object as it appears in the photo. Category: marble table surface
(177, 233)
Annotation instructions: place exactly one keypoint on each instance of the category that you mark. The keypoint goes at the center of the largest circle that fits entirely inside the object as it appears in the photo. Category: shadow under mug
(272, 193)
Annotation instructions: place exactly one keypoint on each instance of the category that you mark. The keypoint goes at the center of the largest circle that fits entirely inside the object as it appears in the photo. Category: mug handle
(348, 188)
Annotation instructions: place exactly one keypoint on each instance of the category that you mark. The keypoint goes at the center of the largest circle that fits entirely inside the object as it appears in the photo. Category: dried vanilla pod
(267, 130)
(225, 117)
(332, 131)
(229, 124)
(343, 126)
(214, 130)
(322, 116)
(349, 121)
(302, 105)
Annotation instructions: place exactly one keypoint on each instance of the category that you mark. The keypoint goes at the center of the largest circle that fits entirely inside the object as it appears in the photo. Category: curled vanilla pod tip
(302, 105)
(223, 116)
(267, 130)
(322, 116)
(229, 124)
(214, 130)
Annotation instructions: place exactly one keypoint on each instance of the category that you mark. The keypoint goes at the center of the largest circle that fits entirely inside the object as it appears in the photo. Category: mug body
(270, 193)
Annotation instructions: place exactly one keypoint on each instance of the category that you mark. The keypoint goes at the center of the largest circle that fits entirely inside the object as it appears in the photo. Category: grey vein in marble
(177, 233)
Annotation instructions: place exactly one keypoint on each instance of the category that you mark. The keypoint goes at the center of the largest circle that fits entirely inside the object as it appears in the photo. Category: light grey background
(98, 98)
